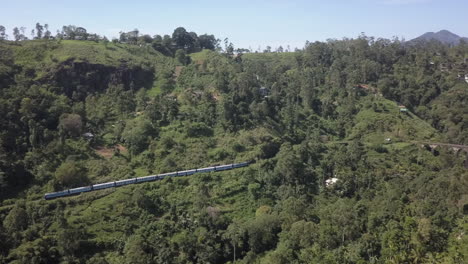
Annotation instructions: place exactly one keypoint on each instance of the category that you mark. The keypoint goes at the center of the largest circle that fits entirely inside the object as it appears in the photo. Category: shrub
(71, 124)
(16, 220)
(199, 130)
(71, 174)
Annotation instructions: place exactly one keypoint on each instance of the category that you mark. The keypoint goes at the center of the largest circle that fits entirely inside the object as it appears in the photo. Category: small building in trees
(80, 31)
(88, 135)
(324, 138)
(330, 182)
(264, 91)
(444, 67)
(466, 78)
(403, 109)
(93, 37)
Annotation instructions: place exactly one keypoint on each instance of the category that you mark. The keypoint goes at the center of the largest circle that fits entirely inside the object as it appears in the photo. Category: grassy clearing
(382, 119)
(43, 56)
(254, 55)
(200, 57)
(154, 91)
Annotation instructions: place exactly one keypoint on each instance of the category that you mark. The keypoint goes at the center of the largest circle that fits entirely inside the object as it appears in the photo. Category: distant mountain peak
(443, 36)
(445, 31)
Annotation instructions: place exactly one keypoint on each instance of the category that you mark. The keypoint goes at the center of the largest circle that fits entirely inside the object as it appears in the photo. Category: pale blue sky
(246, 23)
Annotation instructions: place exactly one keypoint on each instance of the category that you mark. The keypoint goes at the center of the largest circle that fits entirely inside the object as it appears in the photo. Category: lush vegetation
(76, 112)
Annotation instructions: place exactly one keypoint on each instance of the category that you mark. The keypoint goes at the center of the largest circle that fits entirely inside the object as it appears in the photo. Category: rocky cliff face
(78, 79)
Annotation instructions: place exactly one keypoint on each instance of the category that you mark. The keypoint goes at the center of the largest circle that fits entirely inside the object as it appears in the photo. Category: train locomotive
(106, 185)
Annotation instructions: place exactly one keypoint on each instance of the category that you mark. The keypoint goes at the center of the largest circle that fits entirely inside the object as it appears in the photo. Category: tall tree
(208, 41)
(19, 33)
(39, 30)
(47, 33)
(69, 31)
(228, 47)
(182, 57)
(16, 33)
(132, 36)
(182, 39)
(3, 34)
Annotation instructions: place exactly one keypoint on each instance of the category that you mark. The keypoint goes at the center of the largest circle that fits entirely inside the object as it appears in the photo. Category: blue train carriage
(242, 164)
(147, 178)
(232, 166)
(224, 167)
(125, 182)
(185, 172)
(80, 190)
(190, 172)
(207, 169)
(180, 173)
(101, 186)
(169, 174)
(53, 195)
(238, 165)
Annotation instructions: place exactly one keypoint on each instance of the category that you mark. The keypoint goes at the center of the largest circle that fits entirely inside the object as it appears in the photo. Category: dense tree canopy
(344, 138)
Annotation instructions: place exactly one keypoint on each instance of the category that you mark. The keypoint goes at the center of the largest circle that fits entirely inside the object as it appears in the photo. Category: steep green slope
(450, 114)
(300, 117)
(381, 119)
(42, 52)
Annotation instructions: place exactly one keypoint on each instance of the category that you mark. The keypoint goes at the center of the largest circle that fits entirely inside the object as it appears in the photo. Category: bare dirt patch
(177, 71)
(109, 152)
(216, 96)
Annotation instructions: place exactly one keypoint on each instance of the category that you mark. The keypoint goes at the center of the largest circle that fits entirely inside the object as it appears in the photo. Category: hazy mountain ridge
(443, 36)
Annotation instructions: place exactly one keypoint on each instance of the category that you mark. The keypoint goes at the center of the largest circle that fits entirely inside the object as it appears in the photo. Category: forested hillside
(338, 133)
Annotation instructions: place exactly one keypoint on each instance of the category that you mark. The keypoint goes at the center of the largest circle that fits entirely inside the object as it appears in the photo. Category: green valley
(361, 111)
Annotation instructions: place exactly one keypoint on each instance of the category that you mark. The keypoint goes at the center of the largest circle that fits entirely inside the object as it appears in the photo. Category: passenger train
(106, 185)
